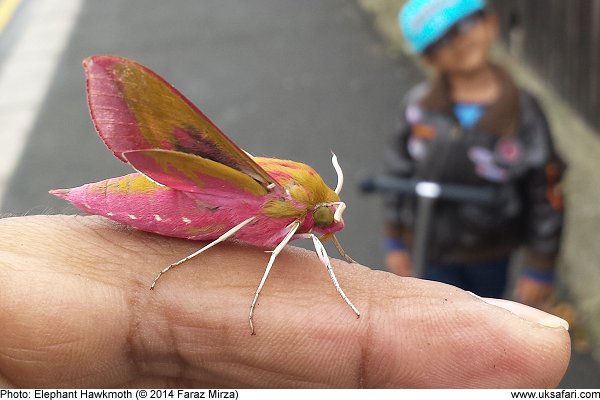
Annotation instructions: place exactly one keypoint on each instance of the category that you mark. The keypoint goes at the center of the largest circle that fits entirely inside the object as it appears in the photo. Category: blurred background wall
(561, 40)
(552, 48)
(559, 43)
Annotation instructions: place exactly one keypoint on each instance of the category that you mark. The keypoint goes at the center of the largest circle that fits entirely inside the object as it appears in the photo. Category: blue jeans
(486, 279)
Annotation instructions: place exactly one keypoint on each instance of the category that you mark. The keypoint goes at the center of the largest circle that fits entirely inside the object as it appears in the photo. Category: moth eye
(323, 216)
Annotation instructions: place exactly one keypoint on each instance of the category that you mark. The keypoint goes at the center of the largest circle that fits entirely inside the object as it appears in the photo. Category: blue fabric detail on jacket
(469, 114)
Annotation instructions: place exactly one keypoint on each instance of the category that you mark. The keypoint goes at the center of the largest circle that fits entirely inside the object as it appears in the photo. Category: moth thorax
(323, 216)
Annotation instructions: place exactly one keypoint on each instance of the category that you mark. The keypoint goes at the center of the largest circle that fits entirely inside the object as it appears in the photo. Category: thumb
(100, 325)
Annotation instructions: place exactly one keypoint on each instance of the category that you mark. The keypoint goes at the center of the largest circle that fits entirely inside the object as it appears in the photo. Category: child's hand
(398, 262)
(532, 292)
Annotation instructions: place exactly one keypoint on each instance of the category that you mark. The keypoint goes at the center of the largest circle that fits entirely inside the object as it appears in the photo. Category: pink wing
(194, 174)
(135, 109)
(194, 183)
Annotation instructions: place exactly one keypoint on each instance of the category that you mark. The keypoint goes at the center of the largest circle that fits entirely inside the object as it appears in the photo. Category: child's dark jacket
(509, 150)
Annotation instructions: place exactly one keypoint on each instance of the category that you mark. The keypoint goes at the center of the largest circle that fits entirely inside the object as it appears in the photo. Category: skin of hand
(398, 262)
(532, 292)
(76, 311)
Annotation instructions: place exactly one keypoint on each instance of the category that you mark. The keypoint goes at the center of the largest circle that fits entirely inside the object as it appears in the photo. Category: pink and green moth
(192, 181)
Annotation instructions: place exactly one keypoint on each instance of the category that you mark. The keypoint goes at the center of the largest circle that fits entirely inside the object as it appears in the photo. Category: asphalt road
(284, 78)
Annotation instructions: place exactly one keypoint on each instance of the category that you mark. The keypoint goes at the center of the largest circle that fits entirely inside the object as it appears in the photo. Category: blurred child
(471, 125)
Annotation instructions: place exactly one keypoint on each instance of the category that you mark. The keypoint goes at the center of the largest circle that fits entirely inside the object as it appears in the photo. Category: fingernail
(527, 313)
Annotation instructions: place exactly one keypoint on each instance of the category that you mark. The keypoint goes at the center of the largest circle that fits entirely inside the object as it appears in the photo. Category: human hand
(532, 292)
(398, 262)
(76, 311)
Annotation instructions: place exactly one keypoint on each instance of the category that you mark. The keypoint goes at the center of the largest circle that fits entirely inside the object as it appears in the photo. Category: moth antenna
(340, 250)
(340, 173)
(322, 253)
(341, 206)
(221, 238)
(293, 228)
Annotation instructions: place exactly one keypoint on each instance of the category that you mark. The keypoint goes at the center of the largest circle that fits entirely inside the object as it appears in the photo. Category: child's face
(465, 49)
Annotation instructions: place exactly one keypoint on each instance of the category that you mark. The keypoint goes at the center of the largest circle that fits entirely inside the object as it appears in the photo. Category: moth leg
(294, 227)
(340, 250)
(320, 249)
(221, 238)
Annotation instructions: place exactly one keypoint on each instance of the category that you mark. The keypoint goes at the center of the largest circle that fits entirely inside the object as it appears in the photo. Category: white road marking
(27, 73)
(7, 10)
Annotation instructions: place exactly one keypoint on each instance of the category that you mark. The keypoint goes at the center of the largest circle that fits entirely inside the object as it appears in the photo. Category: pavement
(282, 78)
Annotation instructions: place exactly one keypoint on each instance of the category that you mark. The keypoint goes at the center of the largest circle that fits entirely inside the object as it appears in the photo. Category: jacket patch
(553, 186)
(508, 151)
(420, 135)
(485, 167)
(417, 148)
(423, 131)
(413, 114)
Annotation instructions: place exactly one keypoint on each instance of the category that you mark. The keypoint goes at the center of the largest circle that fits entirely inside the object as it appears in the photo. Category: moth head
(328, 217)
